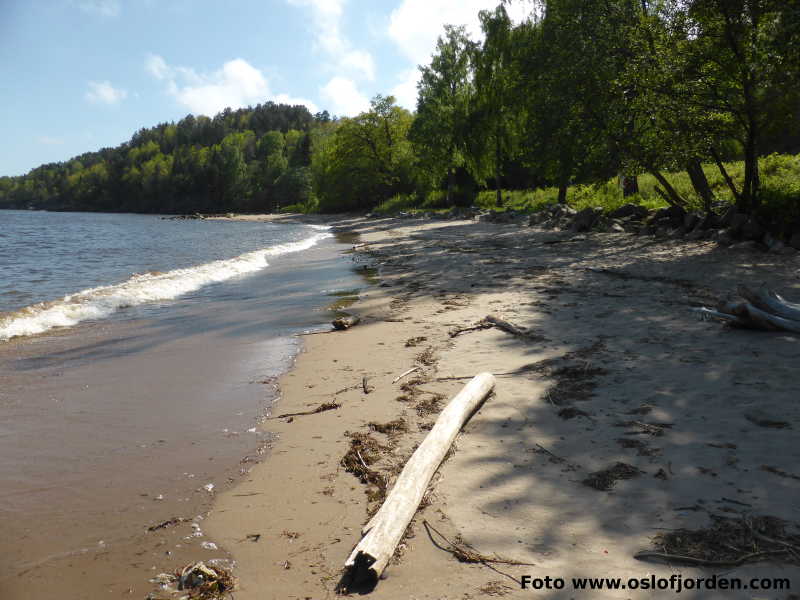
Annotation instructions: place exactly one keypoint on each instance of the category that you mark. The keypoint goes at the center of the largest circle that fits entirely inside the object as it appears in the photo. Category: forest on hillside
(580, 92)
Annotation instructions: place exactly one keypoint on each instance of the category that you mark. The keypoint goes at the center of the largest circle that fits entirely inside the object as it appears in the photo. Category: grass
(780, 177)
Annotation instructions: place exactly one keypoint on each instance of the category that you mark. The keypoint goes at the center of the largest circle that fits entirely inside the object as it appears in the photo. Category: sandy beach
(614, 369)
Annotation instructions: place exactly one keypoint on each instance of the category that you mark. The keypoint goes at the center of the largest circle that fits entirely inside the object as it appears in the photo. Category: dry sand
(616, 370)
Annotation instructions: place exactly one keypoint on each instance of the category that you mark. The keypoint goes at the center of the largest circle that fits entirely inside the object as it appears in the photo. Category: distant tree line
(242, 160)
(579, 92)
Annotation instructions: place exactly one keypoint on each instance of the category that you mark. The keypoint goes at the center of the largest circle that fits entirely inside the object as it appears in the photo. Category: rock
(616, 228)
(537, 218)
(698, 234)
(563, 210)
(586, 219)
(675, 233)
(751, 230)
(632, 211)
(722, 237)
(773, 244)
(691, 220)
(727, 217)
(747, 245)
(708, 221)
(794, 241)
(736, 223)
(671, 217)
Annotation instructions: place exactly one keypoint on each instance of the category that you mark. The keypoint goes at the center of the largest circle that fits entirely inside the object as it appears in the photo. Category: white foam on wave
(100, 302)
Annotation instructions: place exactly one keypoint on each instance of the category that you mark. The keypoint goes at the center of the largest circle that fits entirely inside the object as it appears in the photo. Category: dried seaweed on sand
(729, 542)
(606, 479)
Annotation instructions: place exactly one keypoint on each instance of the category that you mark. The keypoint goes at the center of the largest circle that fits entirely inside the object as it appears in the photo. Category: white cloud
(156, 66)
(105, 8)
(102, 92)
(415, 26)
(344, 97)
(235, 85)
(326, 18)
(406, 90)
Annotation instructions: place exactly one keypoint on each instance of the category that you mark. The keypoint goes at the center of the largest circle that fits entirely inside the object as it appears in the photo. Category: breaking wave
(100, 302)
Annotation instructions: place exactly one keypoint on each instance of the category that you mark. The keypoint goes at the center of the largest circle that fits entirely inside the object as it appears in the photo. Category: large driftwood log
(385, 530)
(770, 302)
(760, 309)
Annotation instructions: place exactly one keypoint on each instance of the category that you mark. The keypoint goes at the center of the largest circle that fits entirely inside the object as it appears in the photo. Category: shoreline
(112, 425)
(513, 486)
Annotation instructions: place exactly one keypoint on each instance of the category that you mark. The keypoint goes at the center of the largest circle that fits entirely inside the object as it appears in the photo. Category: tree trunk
(385, 530)
(741, 204)
(450, 178)
(752, 184)
(499, 198)
(670, 194)
(700, 183)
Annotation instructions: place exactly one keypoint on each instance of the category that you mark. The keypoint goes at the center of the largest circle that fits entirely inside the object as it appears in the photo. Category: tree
(364, 159)
(441, 130)
(494, 118)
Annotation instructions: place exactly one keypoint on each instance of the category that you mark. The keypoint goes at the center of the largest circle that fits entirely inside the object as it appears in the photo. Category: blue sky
(78, 75)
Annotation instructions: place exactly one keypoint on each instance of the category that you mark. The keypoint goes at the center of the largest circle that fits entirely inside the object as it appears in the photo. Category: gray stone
(736, 222)
(709, 221)
(586, 219)
(774, 244)
(691, 220)
(633, 211)
(751, 230)
(746, 245)
(697, 234)
(671, 216)
(727, 217)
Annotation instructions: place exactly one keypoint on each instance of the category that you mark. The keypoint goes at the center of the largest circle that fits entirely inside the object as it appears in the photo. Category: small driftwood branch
(345, 322)
(321, 408)
(404, 374)
(690, 560)
(491, 321)
(384, 531)
(483, 324)
(505, 326)
(365, 385)
(464, 553)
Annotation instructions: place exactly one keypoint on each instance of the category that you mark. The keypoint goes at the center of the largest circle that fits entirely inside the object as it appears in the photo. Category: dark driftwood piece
(366, 385)
(384, 531)
(345, 322)
(321, 408)
(491, 321)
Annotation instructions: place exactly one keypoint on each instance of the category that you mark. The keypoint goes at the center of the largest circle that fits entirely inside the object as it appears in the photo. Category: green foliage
(231, 162)
(364, 160)
(397, 203)
(441, 129)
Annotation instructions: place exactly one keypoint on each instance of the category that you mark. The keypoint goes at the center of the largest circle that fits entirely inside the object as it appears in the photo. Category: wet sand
(116, 426)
